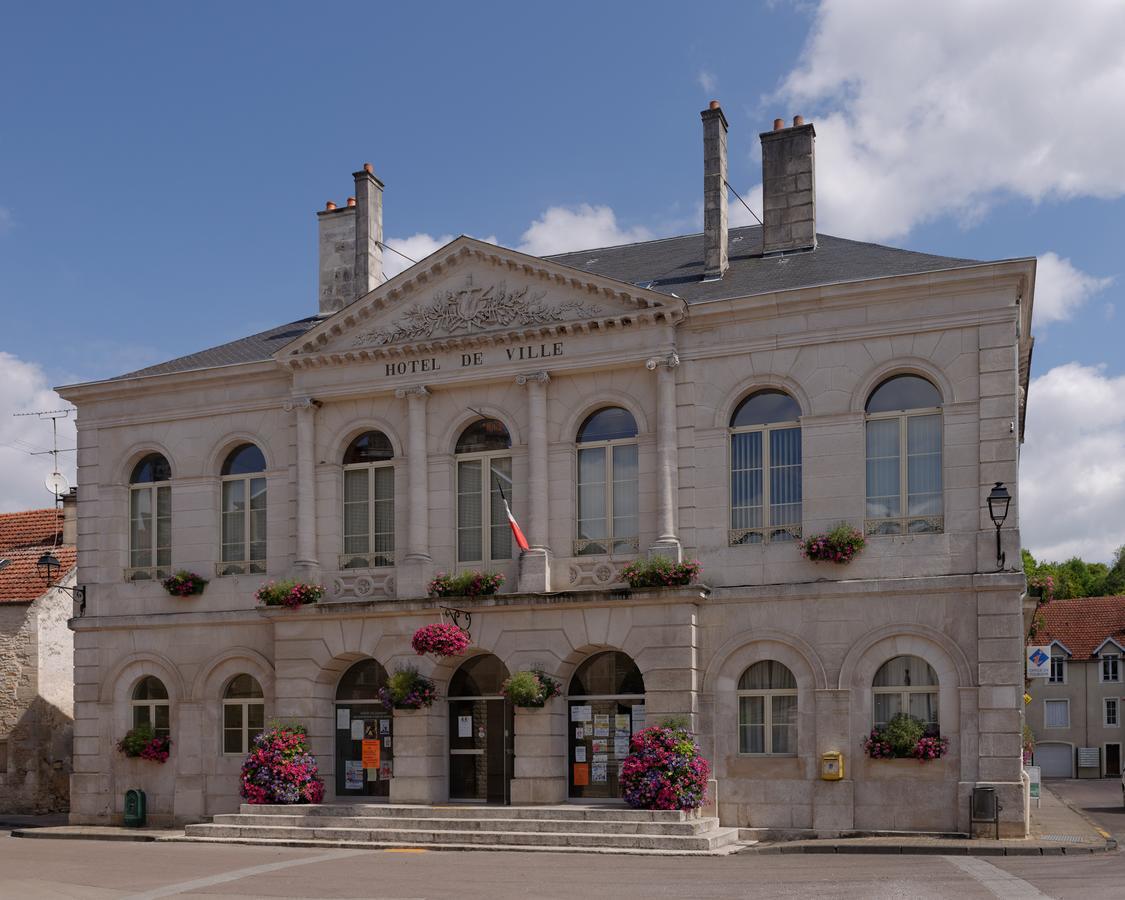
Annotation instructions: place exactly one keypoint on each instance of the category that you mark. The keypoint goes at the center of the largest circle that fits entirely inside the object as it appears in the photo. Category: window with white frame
(767, 710)
(150, 519)
(1110, 718)
(765, 469)
(484, 478)
(150, 706)
(905, 684)
(1058, 667)
(1056, 713)
(244, 714)
(243, 512)
(369, 503)
(1111, 666)
(607, 514)
(904, 438)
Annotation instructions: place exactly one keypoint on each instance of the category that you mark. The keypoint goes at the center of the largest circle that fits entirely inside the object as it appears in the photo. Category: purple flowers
(467, 584)
(660, 572)
(141, 742)
(664, 770)
(407, 689)
(441, 639)
(291, 594)
(184, 584)
(840, 545)
(280, 768)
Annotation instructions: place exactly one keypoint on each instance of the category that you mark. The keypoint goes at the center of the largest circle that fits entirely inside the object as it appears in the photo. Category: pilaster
(535, 563)
(414, 572)
(667, 544)
(306, 564)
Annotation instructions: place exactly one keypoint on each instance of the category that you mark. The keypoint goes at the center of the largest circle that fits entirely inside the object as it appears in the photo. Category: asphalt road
(37, 869)
(1100, 799)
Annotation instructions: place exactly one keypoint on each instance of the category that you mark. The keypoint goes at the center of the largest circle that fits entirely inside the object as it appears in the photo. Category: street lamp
(47, 567)
(998, 501)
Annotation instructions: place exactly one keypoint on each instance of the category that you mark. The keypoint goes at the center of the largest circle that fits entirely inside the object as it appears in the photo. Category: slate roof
(1083, 624)
(672, 265)
(23, 538)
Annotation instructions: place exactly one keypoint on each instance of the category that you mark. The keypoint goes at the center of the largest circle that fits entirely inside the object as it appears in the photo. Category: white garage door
(1055, 760)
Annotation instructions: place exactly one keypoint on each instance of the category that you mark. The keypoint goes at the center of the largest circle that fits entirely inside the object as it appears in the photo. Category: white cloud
(707, 81)
(7, 220)
(1072, 471)
(927, 110)
(1060, 288)
(581, 227)
(417, 247)
(26, 389)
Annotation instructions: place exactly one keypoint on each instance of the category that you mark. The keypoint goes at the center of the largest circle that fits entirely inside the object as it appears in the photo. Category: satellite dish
(57, 484)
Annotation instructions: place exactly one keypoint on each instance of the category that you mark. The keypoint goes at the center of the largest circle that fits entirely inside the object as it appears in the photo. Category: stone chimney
(70, 517)
(351, 256)
(714, 192)
(789, 187)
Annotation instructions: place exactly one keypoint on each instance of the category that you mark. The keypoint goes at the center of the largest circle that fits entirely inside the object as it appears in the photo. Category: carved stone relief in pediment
(474, 307)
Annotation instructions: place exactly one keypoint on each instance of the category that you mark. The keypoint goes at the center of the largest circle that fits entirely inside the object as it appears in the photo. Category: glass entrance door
(364, 750)
(481, 748)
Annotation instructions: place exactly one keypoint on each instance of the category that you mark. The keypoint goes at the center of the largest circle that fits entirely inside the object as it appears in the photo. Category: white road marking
(238, 874)
(1002, 884)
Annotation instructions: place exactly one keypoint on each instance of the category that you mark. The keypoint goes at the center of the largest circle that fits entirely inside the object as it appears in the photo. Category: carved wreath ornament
(475, 308)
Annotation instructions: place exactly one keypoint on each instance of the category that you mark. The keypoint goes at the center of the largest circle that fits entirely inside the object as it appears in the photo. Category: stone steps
(559, 828)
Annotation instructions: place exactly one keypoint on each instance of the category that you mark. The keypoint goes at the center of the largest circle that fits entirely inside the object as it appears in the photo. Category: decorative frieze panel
(597, 573)
(361, 584)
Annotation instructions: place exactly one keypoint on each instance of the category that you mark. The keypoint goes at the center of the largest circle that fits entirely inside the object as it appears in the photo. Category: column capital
(541, 377)
(670, 361)
(299, 403)
(418, 390)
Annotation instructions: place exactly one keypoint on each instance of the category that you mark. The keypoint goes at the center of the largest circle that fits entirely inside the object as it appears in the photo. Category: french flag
(516, 531)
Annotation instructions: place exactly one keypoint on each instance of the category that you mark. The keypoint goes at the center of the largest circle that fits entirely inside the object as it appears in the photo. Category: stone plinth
(540, 764)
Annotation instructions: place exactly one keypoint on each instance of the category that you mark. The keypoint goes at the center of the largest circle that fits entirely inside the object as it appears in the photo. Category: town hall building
(714, 397)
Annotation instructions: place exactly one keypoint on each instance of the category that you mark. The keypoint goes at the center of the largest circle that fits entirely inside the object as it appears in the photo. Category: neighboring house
(36, 664)
(1082, 702)
(714, 396)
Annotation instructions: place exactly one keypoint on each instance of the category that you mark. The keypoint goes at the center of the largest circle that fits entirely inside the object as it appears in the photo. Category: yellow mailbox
(832, 765)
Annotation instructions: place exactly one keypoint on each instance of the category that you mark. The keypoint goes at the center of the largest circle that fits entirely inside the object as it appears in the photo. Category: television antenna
(55, 482)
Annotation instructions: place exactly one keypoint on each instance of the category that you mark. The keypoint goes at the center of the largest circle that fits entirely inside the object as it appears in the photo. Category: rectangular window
(244, 522)
(752, 727)
(150, 531)
(369, 512)
(1110, 667)
(1110, 719)
(765, 485)
(232, 728)
(234, 521)
(784, 724)
(1056, 713)
(477, 541)
(1058, 670)
(904, 491)
(608, 515)
(592, 517)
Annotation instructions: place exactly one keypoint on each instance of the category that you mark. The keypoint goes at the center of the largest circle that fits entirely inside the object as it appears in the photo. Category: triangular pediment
(470, 292)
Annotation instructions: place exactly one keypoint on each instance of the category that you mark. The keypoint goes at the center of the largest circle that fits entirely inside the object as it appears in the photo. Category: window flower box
(659, 571)
(466, 584)
(143, 743)
(840, 545)
(289, 593)
(905, 737)
(184, 584)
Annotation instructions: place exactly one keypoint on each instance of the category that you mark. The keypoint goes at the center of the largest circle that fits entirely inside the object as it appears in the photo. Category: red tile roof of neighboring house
(23, 538)
(1083, 624)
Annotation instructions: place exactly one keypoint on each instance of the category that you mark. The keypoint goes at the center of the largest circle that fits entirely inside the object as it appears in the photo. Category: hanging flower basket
(441, 639)
(530, 688)
(289, 593)
(142, 743)
(407, 689)
(280, 768)
(904, 737)
(664, 770)
(466, 584)
(840, 545)
(184, 584)
(659, 571)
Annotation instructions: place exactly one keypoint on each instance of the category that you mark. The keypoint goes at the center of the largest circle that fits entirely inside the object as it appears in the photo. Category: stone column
(415, 571)
(306, 564)
(535, 564)
(667, 465)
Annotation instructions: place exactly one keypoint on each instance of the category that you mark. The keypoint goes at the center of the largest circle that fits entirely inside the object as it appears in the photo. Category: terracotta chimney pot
(778, 124)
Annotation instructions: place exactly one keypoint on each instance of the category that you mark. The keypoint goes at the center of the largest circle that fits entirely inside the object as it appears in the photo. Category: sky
(161, 166)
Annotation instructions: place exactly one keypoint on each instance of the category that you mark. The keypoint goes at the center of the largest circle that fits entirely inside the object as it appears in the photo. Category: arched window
(150, 518)
(363, 720)
(479, 676)
(244, 512)
(607, 483)
(767, 710)
(484, 468)
(244, 714)
(906, 684)
(765, 469)
(606, 700)
(904, 457)
(369, 503)
(150, 706)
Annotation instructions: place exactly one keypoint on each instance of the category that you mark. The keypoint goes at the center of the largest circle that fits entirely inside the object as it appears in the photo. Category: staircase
(575, 829)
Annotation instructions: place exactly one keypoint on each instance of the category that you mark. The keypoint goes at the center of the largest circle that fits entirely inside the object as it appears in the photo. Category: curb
(932, 850)
(75, 836)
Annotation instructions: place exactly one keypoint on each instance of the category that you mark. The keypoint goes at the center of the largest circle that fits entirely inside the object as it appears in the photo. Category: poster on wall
(581, 774)
(600, 745)
(598, 773)
(638, 717)
(601, 725)
(353, 775)
(343, 717)
(464, 726)
(371, 754)
(621, 721)
(581, 713)
(357, 729)
(580, 754)
(621, 744)
(580, 733)
(385, 769)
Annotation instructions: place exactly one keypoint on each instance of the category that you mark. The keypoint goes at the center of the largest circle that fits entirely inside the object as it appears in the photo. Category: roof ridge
(659, 240)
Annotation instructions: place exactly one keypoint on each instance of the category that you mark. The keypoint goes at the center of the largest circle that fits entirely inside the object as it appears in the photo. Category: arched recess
(136, 453)
(466, 418)
(222, 447)
(117, 688)
(729, 656)
(954, 661)
(757, 383)
(367, 723)
(222, 667)
(902, 365)
(336, 445)
(601, 399)
(481, 731)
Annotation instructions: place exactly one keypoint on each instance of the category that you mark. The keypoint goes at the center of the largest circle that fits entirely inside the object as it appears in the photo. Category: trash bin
(135, 810)
(984, 806)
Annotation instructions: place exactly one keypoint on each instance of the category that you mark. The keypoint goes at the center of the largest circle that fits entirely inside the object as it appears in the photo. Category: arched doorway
(606, 703)
(480, 732)
(363, 724)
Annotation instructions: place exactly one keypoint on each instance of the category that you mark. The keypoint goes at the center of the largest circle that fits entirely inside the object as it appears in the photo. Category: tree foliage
(1078, 578)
